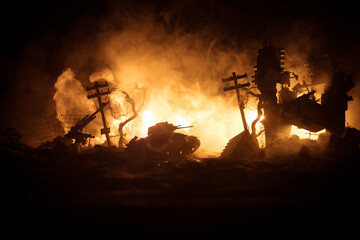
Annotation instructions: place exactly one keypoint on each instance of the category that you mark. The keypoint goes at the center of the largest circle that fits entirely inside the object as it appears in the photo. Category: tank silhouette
(162, 140)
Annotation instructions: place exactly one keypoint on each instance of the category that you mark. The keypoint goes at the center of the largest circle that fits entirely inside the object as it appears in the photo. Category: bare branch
(135, 112)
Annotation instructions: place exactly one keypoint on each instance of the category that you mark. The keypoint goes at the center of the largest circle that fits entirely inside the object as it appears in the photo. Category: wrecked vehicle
(76, 133)
(162, 140)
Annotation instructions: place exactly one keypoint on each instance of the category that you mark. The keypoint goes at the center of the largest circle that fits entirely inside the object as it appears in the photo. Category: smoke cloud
(181, 73)
(177, 52)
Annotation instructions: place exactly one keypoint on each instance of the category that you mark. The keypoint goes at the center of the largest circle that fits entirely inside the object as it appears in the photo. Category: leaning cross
(98, 94)
(237, 86)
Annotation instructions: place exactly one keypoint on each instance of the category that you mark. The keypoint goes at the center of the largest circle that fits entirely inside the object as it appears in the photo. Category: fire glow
(214, 119)
(176, 76)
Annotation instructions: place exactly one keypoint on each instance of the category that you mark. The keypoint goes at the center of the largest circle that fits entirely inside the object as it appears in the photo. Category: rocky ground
(106, 192)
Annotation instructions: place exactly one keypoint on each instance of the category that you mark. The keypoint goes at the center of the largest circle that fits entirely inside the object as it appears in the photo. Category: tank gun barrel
(88, 118)
(181, 127)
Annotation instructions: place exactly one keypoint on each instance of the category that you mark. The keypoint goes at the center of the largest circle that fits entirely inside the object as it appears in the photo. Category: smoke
(177, 52)
(70, 97)
(180, 71)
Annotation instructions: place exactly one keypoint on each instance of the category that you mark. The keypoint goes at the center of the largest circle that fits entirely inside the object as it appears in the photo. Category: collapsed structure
(282, 109)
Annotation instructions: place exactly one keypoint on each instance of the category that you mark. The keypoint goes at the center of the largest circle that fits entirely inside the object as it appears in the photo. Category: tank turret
(164, 128)
(163, 140)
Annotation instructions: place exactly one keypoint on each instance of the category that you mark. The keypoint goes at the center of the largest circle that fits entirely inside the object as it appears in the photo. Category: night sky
(38, 36)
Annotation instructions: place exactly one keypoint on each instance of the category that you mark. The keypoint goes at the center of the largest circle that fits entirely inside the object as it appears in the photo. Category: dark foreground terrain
(105, 192)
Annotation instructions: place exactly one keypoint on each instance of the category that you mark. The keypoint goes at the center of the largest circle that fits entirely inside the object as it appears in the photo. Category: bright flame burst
(181, 75)
(148, 120)
(215, 120)
(302, 133)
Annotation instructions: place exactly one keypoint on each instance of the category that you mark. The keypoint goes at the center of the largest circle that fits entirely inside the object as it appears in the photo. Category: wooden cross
(98, 94)
(237, 86)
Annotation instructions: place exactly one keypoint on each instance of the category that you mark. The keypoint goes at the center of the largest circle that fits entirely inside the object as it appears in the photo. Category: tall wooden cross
(98, 94)
(237, 87)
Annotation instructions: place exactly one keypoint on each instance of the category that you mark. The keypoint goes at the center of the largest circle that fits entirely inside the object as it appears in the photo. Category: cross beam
(98, 94)
(237, 87)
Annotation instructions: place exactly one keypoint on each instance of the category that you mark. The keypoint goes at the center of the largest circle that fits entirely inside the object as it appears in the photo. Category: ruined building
(296, 106)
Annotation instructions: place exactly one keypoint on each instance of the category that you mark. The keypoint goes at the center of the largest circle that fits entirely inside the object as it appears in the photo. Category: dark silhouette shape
(98, 95)
(76, 131)
(163, 140)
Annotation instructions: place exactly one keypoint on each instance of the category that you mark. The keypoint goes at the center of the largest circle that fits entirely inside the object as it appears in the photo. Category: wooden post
(98, 94)
(237, 87)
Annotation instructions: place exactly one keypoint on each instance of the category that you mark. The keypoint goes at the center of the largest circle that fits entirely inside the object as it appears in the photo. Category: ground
(104, 192)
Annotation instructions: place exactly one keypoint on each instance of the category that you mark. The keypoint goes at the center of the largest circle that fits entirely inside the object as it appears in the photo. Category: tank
(162, 140)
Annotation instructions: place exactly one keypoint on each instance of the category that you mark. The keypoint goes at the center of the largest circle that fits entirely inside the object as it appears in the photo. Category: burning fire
(215, 119)
(148, 120)
(302, 133)
(180, 74)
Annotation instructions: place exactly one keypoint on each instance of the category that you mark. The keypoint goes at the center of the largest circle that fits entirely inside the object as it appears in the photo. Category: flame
(303, 134)
(181, 121)
(215, 119)
(148, 120)
(181, 75)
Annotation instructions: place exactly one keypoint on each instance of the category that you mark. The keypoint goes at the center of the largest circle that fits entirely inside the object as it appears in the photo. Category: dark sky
(33, 22)
(33, 45)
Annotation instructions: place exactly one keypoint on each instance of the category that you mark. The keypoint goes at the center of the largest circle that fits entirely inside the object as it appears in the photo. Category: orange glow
(303, 134)
(181, 77)
(148, 120)
(215, 119)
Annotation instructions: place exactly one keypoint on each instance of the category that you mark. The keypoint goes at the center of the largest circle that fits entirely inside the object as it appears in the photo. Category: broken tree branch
(259, 111)
(135, 112)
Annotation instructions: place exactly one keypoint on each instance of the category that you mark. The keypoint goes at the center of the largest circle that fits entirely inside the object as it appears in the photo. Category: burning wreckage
(162, 140)
(278, 109)
(284, 108)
